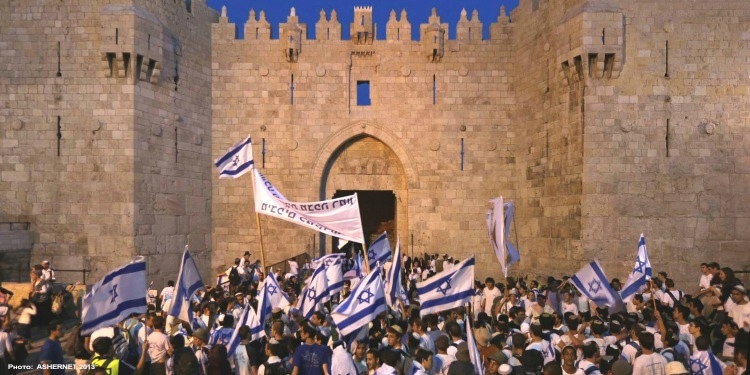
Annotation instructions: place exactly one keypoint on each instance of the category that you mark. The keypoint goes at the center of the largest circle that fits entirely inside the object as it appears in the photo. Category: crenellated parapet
(257, 29)
(469, 29)
(502, 28)
(327, 29)
(398, 29)
(433, 35)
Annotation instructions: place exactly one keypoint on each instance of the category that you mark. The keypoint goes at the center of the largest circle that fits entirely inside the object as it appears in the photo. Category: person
(167, 292)
(675, 368)
(489, 294)
(462, 364)
(359, 357)
(25, 311)
(51, 351)
(309, 358)
(739, 308)
(569, 359)
(104, 357)
(200, 338)
(242, 356)
(591, 358)
(494, 362)
(649, 362)
(341, 360)
(6, 349)
(218, 362)
(373, 360)
(442, 343)
(48, 274)
(422, 362)
(158, 348)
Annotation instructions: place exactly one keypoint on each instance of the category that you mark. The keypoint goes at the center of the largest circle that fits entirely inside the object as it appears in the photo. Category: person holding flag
(641, 273)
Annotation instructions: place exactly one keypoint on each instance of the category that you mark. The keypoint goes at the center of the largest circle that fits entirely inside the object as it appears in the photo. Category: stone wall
(92, 80)
(307, 141)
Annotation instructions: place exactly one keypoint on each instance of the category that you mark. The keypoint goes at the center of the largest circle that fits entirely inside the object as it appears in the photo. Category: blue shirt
(52, 353)
(310, 359)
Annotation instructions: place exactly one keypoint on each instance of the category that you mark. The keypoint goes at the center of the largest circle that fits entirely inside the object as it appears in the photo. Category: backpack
(275, 368)
(97, 369)
(677, 356)
(121, 344)
(234, 277)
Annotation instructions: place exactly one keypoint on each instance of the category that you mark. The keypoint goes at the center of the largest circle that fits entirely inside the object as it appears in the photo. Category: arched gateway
(372, 162)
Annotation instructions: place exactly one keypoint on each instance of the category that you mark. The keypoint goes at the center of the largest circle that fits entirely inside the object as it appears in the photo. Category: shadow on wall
(16, 242)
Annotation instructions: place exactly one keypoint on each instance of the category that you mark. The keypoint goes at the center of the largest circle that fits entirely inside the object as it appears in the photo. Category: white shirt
(5, 343)
(242, 361)
(166, 293)
(342, 362)
(447, 360)
(25, 316)
(740, 314)
(489, 296)
(667, 300)
(158, 343)
(584, 364)
(650, 364)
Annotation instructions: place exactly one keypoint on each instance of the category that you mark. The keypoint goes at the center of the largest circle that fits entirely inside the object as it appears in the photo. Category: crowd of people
(520, 326)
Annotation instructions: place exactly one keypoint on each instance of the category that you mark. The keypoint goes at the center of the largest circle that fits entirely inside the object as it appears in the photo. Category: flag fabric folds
(448, 289)
(363, 305)
(499, 219)
(641, 272)
(393, 287)
(705, 363)
(188, 282)
(315, 291)
(333, 264)
(273, 296)
(379, 251)
(476, 358)
(247, 318)
(119, 294)
(509, 210)
(592, 283)
(237, 161)
(338, 217)
(496, 231)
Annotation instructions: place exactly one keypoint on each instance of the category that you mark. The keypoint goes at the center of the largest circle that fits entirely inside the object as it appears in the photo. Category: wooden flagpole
(257, 222)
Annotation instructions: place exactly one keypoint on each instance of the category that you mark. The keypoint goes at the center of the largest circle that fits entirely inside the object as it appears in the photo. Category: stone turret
(328, 29)
(258, 29)
(291, 35)
(433, 35)
(362, 29)
(469, 29)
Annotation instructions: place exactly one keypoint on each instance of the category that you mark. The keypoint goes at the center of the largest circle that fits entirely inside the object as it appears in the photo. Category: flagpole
(260, 232)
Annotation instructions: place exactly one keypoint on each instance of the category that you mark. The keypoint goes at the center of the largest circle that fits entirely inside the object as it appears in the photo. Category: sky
(418, 11)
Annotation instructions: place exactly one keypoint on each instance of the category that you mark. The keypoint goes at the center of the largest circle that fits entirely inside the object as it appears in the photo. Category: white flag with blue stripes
(237, 161)
(314, 292)
(476, 358)
(275, 296)
(363, 305)
(379, 251)
(393, 287)
(593, 283)
(119, 294)
(705, 363)
(247, 318)
(448, 289)
(188, 282)
(641, 272)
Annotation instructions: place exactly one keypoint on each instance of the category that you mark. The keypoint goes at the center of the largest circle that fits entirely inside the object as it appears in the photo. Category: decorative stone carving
(320, 71)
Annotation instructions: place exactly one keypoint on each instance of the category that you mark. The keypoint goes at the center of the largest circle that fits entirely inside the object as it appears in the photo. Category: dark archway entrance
(378, 211)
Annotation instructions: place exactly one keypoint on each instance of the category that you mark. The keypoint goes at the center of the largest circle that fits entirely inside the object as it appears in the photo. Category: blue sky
(417, 12)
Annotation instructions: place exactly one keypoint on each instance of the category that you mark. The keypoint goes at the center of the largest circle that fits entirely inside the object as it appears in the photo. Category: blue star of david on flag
(639, 264)
(443, 288)
(236, 161)
(595, 286)
(697, 367)
(311, 294)
(114, 293)
(272, 289)
(365, 296)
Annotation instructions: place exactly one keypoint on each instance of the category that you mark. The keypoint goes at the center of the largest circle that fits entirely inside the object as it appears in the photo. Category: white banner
(336, 217)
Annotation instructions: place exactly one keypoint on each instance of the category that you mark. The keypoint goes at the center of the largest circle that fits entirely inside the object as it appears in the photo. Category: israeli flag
(476, 358)
(448, 289)
(513, 255)
(641, 272)
(119, 294)
(247, 318)
(314, 292)
(188, 282)
(327, 259)
(362, 306)
(273, 296)
(393, 287)
(237, 161)
(379, 251)
(705, 363)
(592, 283)
(334, 276)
